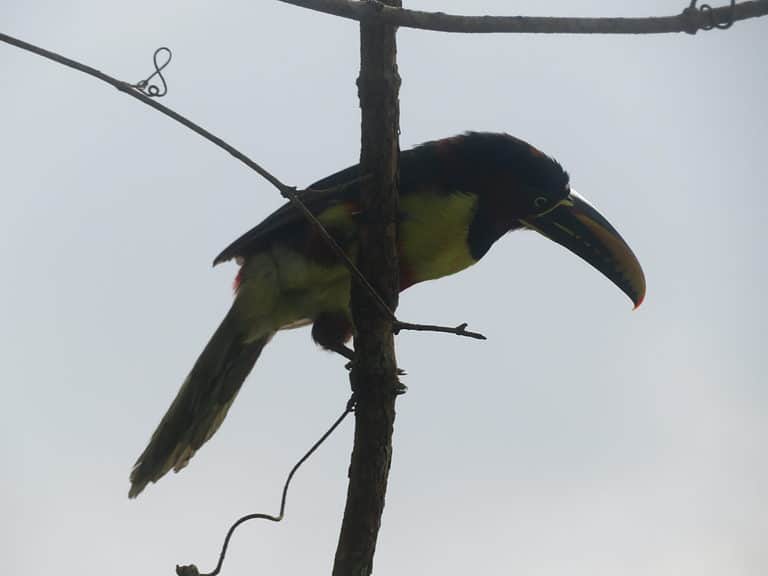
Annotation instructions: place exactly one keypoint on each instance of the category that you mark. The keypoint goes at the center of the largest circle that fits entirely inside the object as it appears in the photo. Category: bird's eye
(540, 202)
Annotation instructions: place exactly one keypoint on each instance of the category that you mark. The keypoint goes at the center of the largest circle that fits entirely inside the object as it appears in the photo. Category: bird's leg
(331, 330)
(343, 350)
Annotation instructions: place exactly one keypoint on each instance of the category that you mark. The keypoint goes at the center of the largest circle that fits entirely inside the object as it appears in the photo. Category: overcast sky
(582, 438)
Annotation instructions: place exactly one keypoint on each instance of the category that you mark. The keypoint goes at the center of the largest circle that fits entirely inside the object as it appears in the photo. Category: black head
(518, 185)
(527, 180)
(517, 179)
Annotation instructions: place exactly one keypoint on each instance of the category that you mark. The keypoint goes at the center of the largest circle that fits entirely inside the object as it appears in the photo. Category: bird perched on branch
(457, 197)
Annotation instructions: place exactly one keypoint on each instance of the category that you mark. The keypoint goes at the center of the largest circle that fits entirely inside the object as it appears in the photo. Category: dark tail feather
(200, 406)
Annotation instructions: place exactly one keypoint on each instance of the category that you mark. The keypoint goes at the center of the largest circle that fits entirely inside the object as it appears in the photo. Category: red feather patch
(238, 280)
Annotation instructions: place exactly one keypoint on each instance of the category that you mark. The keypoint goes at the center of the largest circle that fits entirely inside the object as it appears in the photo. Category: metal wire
(153, 90)
(709, 15)
(191, 570)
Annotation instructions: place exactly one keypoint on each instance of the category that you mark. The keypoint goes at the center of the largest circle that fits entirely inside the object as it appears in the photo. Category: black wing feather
(320, 196)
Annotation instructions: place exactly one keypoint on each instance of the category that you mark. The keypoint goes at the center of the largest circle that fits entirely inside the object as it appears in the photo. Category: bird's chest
(433, 235)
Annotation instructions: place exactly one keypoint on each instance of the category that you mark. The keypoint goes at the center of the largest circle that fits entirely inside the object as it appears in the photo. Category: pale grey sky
(582, 438)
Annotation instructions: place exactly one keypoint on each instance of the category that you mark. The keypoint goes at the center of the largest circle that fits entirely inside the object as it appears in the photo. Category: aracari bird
(457, 197)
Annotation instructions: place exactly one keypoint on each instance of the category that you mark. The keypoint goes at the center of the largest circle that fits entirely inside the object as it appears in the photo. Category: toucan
(458, 196)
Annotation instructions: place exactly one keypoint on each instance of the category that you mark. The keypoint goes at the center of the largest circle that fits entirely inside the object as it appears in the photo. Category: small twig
(459, 330)
(689, 21)
(133, 91)
(289, 192)
(191, 569)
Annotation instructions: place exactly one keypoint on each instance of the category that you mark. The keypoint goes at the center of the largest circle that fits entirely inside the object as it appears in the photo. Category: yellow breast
(433, 235)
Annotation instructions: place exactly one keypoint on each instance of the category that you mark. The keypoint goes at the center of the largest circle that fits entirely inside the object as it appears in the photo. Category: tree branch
(460, 330)
(690, 20)
(374, 371)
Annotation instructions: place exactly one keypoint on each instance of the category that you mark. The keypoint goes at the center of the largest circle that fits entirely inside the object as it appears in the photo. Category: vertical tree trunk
(374, 374)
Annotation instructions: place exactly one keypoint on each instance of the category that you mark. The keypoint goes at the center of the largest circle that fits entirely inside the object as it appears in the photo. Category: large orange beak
(575, 224)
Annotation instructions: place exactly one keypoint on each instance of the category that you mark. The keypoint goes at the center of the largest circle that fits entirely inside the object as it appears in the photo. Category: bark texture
(690, 20)
(374, 372)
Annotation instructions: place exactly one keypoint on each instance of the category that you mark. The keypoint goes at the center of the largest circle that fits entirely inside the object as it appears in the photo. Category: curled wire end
(711, 22)
(703, 17)
(153, 90)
